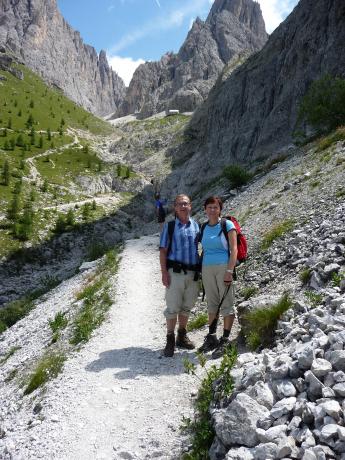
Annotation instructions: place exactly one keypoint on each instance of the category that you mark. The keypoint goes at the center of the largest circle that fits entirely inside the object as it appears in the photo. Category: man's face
(183, 208)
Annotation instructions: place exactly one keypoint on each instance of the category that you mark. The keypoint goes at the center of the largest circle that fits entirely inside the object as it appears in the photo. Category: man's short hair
(182, 195)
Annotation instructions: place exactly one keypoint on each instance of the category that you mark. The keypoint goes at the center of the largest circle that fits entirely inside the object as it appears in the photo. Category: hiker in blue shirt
(179, 262)
(160, 211)
(218, 264)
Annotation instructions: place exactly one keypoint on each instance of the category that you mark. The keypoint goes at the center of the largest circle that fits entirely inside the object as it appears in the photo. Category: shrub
(7, 355)
(337, 278)
(314, 298)
(6, 173)
(59, 322)
(248, 292)
(13, 312)
(47, 368)
(260, 324)
(236, 175)
(276, 232)
(216, 385)
(60, 225)
(323, 106)
(197, 322)
(304, 275)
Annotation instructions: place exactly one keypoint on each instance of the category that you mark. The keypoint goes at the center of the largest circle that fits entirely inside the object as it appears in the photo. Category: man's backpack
(242, 247)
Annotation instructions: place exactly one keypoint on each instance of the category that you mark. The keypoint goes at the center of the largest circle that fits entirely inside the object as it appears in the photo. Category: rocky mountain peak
(38, 35)
(183, 80)
(251, 115)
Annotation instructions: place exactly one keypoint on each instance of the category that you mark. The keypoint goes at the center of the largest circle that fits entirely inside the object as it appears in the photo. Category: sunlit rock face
(36, 32)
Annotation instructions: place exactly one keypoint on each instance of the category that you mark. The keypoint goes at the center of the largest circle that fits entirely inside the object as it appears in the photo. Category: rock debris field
(116, 398)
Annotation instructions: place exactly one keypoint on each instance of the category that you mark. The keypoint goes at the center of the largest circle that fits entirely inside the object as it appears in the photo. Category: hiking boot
(183, 341)
(210, 343)
(170, 346)
(224, 343)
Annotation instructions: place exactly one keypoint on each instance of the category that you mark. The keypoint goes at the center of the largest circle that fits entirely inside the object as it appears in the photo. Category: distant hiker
(179, 261)
(160, 211)
(218, 264)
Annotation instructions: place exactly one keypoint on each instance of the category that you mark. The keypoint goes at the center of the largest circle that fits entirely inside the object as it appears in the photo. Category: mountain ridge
(183, 80)
(41, 38)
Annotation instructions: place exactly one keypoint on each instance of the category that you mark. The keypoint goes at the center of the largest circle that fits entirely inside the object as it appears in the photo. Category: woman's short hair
(213, 200)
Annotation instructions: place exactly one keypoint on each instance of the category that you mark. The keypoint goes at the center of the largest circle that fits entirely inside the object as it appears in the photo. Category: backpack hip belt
(179, 266)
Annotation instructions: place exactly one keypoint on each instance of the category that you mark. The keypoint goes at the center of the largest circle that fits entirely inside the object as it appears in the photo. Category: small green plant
(340, 193)
(96, 300)
(7, 355)
(337, 278)
(236, 175)
(249, 291)
(260, 324)
(200, 426)
(305, 275)
(197, 322)
(276, 232)
(57, 325)
(314, 298)
(47, 369)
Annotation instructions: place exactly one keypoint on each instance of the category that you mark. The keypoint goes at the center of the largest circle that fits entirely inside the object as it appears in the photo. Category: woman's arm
(232, 238)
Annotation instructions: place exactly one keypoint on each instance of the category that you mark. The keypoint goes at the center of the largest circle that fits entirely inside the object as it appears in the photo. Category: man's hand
(166, 278)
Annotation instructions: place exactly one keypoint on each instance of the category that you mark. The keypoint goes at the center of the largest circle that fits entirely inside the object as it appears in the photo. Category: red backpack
(242, 247)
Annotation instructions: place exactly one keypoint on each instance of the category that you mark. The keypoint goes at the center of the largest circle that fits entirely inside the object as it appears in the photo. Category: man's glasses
(182, 204)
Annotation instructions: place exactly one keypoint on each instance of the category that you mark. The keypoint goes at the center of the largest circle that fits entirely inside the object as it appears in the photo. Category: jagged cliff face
(252, 114)
(36, 32)
(183, 81)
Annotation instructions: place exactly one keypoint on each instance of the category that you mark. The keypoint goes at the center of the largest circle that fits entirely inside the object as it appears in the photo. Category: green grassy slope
(39, 149)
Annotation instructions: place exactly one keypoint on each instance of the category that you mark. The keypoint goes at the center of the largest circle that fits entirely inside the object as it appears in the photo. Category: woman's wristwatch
(230, 271)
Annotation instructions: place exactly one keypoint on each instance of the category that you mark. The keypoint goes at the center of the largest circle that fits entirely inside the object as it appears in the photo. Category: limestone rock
(182, 81)
(37, 33)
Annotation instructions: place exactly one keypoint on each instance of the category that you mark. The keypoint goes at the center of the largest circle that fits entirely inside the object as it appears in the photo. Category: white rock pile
(288, 401)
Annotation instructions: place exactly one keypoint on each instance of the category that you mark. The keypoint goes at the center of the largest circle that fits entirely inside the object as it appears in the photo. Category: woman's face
(212, 211)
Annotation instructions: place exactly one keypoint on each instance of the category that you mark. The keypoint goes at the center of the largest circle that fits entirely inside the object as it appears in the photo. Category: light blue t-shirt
(214, 244)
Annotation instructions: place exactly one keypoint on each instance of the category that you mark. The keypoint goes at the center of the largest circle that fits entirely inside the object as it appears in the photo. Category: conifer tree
(6, 173)
(70, 218)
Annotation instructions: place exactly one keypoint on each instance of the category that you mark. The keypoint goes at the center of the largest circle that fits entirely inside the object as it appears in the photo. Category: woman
(218, 264)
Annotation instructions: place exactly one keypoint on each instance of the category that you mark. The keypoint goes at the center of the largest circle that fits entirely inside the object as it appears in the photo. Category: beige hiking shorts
(181, 295)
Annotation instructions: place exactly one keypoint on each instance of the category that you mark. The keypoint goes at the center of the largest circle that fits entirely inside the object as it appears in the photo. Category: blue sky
(134, 31)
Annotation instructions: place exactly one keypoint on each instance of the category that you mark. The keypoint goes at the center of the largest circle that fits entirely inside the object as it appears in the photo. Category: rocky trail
(117, 398)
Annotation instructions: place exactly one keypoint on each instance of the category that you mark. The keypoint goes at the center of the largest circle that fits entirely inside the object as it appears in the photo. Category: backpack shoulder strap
(202, 228)
(171, 228)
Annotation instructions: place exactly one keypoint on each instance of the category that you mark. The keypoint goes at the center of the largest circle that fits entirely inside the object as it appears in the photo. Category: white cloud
(171, 20)
(124, 67)
(275, 11)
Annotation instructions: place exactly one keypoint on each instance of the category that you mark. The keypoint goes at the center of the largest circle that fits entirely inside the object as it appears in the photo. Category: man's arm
(163, 261)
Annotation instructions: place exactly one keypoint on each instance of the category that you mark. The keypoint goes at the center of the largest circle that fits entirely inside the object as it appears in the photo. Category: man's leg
(173, 297)
(190, 295)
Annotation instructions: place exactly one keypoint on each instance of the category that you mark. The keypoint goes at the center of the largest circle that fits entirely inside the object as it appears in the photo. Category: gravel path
(117, 398)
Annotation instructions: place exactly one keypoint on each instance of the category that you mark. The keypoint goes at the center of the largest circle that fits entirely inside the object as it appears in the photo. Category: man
(179, 261)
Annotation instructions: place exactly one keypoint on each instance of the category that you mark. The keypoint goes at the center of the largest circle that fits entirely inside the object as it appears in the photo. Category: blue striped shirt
(184, 247)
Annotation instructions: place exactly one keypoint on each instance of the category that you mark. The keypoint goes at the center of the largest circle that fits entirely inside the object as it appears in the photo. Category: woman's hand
(228, 278)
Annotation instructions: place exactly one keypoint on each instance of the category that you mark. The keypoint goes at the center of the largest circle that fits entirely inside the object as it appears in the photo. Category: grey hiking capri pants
(213, 280)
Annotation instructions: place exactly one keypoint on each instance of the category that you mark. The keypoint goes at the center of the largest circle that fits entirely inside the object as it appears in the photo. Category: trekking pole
(213, 326)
